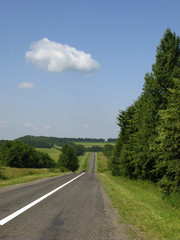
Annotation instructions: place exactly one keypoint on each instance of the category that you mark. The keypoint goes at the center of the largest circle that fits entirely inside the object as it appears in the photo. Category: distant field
(52, 152)
(91, 144)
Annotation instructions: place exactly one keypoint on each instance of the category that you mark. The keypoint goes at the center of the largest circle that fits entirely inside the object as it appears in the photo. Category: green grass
(91, 144)
(11, 176)
(101, 163)
(52, 152)
(141, 204)
(84, 162)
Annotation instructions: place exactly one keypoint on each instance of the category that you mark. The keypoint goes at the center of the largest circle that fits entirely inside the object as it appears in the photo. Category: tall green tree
(142, 123)
(68, 158)
(165, 68)
(166, 148)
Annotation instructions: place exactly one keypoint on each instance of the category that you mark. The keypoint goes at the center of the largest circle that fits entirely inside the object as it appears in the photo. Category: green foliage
(43, 142)
(90, 140)
(18, 154)
(107, 150)
(148, 144)
(94, 149)
(2, 142)
(166, 148)
(111, 140)
(68, 158)
(80, 149)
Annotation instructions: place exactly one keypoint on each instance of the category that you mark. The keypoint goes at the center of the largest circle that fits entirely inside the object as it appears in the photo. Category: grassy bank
(141, 204)
(11, 176)
(84, 162)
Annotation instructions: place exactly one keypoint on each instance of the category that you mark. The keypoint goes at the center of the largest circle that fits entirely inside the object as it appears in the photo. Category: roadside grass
(101, 163)
(52, 152)
(84, 162)
(141, 204)
(91, 144)
(11, 176)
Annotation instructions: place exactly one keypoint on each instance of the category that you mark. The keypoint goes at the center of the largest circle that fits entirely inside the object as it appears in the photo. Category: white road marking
(21, 210)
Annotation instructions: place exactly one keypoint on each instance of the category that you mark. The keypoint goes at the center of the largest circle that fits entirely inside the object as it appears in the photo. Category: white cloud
(85, 125)
(55, 57)
(25, 85)
(3, 124)
(47, 127)
(31, 125)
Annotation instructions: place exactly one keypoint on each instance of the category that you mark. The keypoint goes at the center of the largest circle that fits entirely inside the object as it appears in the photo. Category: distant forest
(48, 142)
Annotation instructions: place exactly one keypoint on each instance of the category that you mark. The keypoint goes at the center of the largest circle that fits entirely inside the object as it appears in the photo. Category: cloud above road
(56, 57)
(23, 85)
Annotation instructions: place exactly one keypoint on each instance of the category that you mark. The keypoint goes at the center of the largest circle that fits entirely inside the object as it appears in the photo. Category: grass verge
(84, 162)
(11, 176)
(101, 163)
(140, 203)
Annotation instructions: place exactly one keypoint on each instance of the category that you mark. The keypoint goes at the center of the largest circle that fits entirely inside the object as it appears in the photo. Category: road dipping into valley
(79, 211)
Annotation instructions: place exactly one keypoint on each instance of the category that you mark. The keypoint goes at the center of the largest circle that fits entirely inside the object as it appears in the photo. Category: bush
(68, 159)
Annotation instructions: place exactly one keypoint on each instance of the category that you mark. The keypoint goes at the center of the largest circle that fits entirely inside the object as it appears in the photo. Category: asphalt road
(76, 211)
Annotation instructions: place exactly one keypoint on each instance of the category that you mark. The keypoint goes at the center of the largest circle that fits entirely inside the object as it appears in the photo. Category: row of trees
(42, 141)
(148, 146)
(48, 142)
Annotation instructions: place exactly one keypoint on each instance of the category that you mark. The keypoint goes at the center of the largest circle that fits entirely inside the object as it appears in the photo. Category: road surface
(76, 211)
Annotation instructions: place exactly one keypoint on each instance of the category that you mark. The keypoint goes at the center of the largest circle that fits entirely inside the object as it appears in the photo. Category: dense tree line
(21, 155)
(148, 146)
(43, 142)
(79, 149)
(110, 140)
(48, 142)
(94, 149)
(86, 139)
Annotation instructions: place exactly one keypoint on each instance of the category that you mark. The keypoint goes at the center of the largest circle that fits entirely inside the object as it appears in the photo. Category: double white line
(18, 212)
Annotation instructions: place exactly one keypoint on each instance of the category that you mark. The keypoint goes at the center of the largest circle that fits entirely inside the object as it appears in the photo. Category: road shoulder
(118, 229)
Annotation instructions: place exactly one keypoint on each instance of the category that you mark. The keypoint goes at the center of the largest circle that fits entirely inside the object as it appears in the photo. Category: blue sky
(67, 67)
